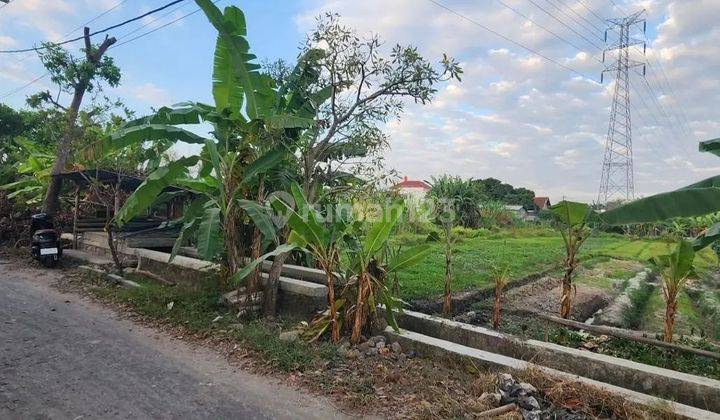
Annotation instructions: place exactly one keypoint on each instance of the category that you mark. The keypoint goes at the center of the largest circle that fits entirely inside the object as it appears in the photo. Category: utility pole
(617, 179)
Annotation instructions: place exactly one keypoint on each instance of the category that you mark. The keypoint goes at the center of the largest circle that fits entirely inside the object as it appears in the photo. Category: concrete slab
(688, 389)
(82, 256)
(427, 346)
(313, 275)
(113, 278)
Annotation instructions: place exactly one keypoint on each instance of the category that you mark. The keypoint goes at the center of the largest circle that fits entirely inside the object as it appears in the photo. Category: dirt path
(65, 357)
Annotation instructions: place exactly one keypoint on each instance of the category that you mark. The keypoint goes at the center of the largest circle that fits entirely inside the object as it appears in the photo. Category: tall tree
(363, 88)
(76, 77)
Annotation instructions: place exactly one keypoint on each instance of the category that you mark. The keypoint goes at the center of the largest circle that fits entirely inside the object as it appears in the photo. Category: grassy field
(524, 254)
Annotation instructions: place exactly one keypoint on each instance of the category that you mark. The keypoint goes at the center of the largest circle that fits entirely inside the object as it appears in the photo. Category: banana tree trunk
(232, 244)
(330, 278)
(271, 288)
(360, 315)
(567, 295)
(256, 246)
(670, 311)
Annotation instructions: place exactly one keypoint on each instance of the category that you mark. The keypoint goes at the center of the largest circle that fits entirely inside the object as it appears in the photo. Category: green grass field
(539, 251)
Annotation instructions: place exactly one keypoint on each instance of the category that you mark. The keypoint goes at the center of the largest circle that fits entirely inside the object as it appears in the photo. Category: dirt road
(67, 358)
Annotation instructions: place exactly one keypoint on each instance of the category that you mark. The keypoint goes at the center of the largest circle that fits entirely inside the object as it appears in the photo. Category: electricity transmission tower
(617, 181)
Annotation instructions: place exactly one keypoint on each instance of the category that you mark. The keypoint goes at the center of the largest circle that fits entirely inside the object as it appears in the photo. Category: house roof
(409, 183)
(127, 182)
(541, 202)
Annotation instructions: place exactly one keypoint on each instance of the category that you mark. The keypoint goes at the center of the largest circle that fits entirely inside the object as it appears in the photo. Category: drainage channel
(696, 391)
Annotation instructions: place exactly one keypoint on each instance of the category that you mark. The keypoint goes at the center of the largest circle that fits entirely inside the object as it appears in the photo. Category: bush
(463, 232)
(639, 299)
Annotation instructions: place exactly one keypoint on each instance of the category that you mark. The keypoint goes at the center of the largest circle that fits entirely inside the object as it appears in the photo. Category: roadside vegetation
(451, 389)
(291, 170)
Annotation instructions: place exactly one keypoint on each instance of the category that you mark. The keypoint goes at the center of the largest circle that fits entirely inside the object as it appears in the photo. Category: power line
(663, 112)
(651, 112)
(14, 91)
(155, 19)
(600, 30)
(519, 13)
(159, 27)
(583, 4)
(96, 17)
(679, 109)
(510, 40)
(20, 60)
(566, 25)
(97, 32)
(580, 24)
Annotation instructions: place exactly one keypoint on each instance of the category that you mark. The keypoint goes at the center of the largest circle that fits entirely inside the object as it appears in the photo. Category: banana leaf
(240, 275)
(209, 237)
(140, 133)
(143, 197)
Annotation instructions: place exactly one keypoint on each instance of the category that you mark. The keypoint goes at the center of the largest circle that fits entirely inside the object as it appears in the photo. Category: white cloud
(522, 119)
(7, 41)
(147, 92)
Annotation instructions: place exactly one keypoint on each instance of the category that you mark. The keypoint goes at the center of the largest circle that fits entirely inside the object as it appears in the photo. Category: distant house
(411, 187)
(517, 211)
(541, 203)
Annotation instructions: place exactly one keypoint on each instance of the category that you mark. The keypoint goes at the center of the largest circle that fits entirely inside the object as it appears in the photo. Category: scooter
(46, 246)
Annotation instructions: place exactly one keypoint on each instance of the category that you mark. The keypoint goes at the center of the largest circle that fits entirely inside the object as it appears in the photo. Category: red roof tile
(409, 183)
(541, 202)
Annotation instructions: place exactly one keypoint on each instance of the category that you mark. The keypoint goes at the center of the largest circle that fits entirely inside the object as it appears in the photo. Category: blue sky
(515, 116)
(173, 63)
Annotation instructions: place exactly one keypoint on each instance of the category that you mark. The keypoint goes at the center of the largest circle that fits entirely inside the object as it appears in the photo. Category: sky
(522, 117)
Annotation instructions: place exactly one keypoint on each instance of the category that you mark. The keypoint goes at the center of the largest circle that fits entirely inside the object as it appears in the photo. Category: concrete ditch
(688, 389)
(433, 347)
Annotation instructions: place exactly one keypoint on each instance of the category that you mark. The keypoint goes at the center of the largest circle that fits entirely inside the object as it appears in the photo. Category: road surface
(64, 357)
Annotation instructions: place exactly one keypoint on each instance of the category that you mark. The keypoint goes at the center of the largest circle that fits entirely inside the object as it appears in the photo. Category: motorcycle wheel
(49, 262)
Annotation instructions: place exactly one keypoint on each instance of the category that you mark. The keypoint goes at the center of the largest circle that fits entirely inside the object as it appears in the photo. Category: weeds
(642, 353)
(632, 316)
(589, 400)
(287, 356)
(198, 310)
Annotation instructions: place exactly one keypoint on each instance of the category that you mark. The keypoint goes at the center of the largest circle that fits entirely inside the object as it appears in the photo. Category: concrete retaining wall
(682, 387)
(436, 348)
(295, 296)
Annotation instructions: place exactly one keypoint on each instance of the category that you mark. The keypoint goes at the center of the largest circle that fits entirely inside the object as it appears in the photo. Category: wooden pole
(620, 333)
(75, 217)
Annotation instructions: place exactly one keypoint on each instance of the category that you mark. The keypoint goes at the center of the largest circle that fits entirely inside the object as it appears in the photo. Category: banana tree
(254, 127)
(676, 268)
(322, 240)
(572, 219)
(698, 199)
(332, 235)
(371, 273)
(33, 163)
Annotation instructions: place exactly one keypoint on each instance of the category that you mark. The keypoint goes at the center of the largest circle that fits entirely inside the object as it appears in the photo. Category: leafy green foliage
(151, 188)
(570, 213)
(209, 234)
(68, 71)
(233, 62)
(134, 134)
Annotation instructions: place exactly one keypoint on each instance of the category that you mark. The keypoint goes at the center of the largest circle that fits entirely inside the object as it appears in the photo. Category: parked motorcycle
(46, 246)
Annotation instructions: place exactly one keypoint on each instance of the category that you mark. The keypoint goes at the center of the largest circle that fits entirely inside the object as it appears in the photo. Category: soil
(544, 296)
